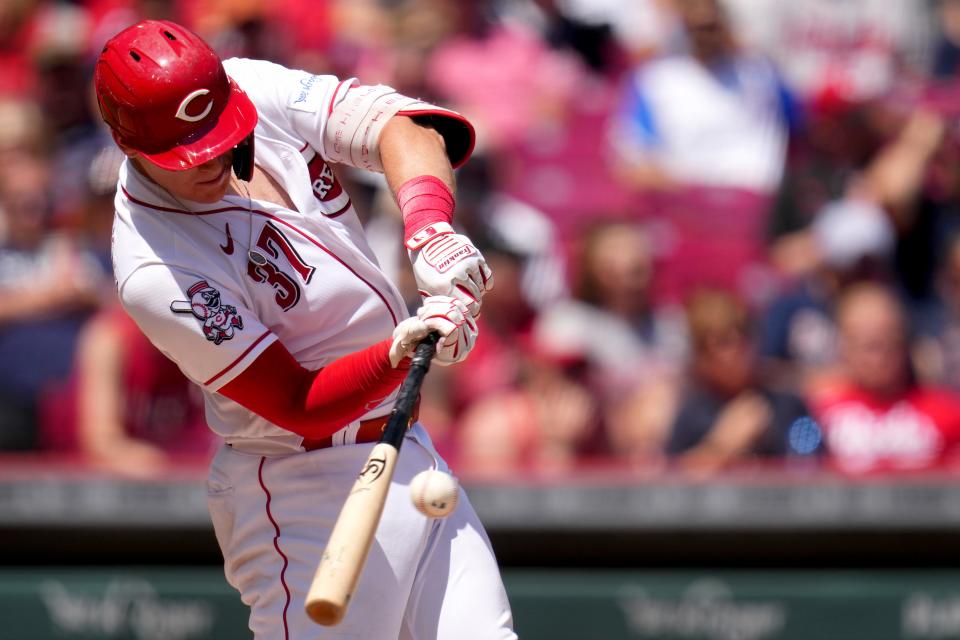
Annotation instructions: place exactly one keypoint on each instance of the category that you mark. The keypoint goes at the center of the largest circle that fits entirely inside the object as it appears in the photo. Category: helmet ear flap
(243, 159)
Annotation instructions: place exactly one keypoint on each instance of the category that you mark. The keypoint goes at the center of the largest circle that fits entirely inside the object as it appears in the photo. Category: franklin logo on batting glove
(219, 320)
(449, 264)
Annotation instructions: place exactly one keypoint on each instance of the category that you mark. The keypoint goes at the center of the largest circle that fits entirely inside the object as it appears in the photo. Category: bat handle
(399, 419)
(425, 351)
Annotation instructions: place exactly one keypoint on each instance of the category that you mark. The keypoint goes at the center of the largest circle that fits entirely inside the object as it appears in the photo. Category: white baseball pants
(425, 579)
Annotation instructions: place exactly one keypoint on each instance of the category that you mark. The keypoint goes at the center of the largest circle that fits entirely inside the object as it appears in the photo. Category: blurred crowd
(724, 232)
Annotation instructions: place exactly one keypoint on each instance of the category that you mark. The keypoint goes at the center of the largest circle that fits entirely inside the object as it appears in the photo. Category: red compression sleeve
(315, 404)
(423, 201)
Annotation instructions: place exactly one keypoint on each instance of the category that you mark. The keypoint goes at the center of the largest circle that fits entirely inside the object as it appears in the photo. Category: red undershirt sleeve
(315, 404)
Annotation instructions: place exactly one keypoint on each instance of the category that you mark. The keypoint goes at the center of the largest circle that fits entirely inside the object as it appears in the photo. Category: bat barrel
(349, 545)
(352, 535)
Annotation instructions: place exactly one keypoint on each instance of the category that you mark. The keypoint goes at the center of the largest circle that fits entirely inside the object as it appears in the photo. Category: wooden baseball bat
(342, 562)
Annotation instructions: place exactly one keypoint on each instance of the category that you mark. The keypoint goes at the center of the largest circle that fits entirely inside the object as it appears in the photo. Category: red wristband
(425, 201)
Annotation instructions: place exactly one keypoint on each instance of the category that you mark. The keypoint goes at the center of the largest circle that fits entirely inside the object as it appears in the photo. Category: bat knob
(324, 612)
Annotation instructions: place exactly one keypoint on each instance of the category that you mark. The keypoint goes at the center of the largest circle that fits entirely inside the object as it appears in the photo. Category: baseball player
(241, 257)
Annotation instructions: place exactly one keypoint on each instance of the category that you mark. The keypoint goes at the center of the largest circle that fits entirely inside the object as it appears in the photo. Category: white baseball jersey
(185, 273)
(212, 286)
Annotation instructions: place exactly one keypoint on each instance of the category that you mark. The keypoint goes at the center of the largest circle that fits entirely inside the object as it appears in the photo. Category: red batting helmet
(165, 94)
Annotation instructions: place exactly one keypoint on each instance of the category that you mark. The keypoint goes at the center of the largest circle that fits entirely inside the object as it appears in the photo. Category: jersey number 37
(274, 244)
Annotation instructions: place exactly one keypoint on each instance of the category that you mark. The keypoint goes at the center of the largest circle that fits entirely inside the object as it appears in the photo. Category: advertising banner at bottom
(737, 605)
(193, 603)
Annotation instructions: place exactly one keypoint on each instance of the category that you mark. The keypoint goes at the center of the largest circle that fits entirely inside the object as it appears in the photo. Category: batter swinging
(240, 256)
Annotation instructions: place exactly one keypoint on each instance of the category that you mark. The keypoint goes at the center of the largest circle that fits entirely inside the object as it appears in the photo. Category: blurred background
(716, 394)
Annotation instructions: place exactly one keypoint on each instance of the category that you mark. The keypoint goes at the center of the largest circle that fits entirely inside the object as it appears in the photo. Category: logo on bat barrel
(374, 469)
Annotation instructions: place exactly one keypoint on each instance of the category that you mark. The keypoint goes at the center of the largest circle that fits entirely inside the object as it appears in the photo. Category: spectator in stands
(914, 178)
(713, 115)
(59, 50)
(946, 58)
(825, 159)
(612, 317)
(631, 349)
(135, 410)
(911, 178)
(937, 351)
(125, 405)
(641, 28)
(501, 57)
(20, 126)
(536, 396)
(701, 135)
(850, 241)
(506, 324)
(834, 52)
(728, 411)
(874, 414)
(841, 60)
(48, 287)
(16, 18)
(548, 420)
(891, 156)
(882, 224)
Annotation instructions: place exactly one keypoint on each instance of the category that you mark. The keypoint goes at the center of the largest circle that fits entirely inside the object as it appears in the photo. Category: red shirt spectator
(874, 415)
(127, 407)
(159, 404)
(914, 429)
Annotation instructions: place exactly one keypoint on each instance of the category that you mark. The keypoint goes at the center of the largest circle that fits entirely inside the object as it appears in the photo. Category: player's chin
(212, 197)
(211, 191)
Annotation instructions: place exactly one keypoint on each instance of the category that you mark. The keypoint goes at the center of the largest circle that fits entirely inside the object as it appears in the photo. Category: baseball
(434, 493)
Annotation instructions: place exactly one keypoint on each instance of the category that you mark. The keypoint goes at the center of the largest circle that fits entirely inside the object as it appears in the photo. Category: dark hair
(715, 312)
(585, 283)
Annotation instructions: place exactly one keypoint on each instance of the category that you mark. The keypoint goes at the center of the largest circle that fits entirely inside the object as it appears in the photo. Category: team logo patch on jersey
(219, 320)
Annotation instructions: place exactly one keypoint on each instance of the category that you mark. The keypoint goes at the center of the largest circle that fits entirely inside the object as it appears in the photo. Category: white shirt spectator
(724, 126)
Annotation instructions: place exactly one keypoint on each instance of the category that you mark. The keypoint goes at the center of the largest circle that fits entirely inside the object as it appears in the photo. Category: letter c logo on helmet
(182, 111)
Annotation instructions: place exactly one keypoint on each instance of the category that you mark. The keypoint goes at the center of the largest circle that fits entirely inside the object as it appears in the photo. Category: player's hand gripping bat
(352, 535)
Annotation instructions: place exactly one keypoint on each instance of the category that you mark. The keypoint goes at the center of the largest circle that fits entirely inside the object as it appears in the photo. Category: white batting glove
(449, 265)
(445, 315)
